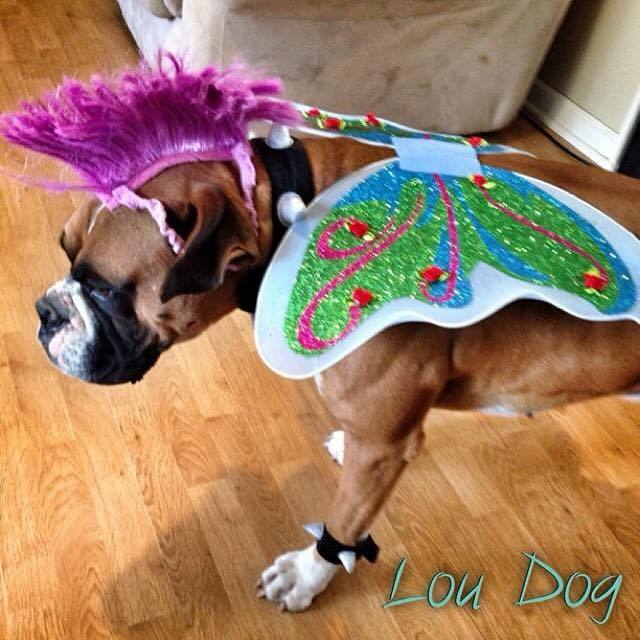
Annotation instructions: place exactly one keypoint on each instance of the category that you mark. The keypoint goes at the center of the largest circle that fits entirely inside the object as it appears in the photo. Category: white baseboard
(582, 131)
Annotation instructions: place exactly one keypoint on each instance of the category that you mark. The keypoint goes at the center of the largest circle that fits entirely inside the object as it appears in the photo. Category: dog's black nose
(51, 315)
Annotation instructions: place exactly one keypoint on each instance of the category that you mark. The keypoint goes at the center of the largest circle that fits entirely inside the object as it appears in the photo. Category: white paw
(296, 578)
(334, 444)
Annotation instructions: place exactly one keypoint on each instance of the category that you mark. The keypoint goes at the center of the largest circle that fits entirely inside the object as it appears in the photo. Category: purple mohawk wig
(119, 133)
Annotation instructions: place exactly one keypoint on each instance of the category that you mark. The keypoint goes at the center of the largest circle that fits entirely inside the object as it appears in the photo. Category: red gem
(332, 123)
(314, 112)
(594, 281)
(479, 180)
(362, 296)
(432, 274)
(475, 141)
(358, 227)
(372, 120)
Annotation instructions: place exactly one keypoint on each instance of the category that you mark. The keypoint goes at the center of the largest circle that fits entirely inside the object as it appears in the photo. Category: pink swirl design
(305, 333)
(602, 272)
(454, 248)
(325, 250)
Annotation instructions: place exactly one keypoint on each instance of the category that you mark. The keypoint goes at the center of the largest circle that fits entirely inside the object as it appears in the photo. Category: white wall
(588, 88)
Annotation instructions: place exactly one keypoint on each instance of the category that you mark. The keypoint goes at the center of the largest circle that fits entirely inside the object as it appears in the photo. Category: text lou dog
(576, 589)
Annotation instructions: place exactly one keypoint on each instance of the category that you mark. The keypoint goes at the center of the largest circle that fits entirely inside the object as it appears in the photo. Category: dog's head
(127, 297)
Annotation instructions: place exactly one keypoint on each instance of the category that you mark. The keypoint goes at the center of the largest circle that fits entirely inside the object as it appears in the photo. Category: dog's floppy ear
(221, 239)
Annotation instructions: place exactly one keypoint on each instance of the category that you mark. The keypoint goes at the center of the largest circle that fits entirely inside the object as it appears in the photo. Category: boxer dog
(127, 298)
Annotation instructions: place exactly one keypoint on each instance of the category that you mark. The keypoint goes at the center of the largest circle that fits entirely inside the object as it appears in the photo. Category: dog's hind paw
(295, 579)
(334, 444)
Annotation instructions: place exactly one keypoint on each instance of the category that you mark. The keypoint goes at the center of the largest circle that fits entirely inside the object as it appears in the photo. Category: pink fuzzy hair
(123, 131)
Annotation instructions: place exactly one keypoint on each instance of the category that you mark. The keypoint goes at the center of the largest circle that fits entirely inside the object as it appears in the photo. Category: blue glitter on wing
(385, 186)
(626, 288)
(463, 294)
(503, 255)
(385, 136)
(373, 136)
(432, 201)
(374, 187)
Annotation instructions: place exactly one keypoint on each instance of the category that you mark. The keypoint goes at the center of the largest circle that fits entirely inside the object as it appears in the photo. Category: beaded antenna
(118, 133)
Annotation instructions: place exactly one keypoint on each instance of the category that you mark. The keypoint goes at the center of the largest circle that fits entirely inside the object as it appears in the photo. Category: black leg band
(329, 548)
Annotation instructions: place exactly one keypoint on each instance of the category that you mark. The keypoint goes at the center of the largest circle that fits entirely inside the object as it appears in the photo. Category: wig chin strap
(125, 197)
(241, 154)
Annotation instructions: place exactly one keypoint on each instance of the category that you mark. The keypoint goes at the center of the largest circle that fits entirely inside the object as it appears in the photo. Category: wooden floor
(148, 511)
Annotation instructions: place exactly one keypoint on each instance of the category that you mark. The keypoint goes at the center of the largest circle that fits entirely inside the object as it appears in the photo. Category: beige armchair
(449, 65)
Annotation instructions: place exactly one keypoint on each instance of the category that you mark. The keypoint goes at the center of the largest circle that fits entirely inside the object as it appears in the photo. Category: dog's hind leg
(382, 432)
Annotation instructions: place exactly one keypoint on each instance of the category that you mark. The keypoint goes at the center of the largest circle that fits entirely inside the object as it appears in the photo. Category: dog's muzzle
(83, 341)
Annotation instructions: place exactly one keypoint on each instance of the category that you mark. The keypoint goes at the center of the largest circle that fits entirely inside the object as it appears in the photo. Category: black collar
(288, 170)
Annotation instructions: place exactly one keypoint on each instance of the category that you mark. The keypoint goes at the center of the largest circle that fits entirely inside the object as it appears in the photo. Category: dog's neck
(328, 161)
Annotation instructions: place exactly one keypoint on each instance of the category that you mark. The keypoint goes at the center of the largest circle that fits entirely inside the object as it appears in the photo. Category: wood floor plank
(185, 559)
(41, 623)
(64, 511)
(141, 586)
(236, 552)
(40, 400)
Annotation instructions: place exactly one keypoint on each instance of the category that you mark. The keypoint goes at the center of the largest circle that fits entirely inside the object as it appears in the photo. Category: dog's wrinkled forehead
(124, 245)
(119, 245)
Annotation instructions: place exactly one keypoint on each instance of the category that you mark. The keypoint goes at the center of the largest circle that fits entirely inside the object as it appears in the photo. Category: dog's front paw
(295, 579)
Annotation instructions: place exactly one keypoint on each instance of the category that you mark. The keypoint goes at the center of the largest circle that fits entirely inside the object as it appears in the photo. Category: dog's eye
(101, 293)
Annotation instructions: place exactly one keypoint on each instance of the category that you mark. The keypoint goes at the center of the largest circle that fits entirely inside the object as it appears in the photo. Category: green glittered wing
(402, 235)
